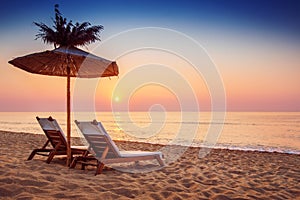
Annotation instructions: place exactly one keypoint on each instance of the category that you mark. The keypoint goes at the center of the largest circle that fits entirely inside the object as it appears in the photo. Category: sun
(117, 99)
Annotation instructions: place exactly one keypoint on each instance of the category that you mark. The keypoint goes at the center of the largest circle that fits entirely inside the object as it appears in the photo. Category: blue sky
(273, 15)
(255, 44)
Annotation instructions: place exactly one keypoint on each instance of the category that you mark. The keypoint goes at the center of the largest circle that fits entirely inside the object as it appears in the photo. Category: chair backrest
(53, 132)
(98, 139)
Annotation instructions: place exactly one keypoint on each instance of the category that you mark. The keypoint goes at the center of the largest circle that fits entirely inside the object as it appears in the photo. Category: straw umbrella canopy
(67, 60)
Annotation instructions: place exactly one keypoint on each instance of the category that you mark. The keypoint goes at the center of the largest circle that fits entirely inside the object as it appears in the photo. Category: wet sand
(222, 174)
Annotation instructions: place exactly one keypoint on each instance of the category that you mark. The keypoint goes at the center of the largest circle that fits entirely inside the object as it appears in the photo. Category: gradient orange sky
(257, 56)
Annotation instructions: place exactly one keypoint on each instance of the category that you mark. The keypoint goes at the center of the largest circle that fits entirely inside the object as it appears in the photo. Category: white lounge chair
(105, 150)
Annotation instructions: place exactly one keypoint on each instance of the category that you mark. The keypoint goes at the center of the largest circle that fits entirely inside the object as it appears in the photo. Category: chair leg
(136, 163)
(73, 163)
(100, 167)
(50, 157)
(32, 154)
(160, 161)
(83, 166)
(72, 157)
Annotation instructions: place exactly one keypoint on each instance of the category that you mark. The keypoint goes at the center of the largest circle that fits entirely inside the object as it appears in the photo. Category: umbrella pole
(68, 118)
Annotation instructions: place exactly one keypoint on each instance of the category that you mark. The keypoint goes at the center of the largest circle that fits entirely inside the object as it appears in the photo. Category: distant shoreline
(191, 146)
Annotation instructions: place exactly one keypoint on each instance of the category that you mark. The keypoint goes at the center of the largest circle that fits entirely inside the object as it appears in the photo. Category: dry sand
(222, 174)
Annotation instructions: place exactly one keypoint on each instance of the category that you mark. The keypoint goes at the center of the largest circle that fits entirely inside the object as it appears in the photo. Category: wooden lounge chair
(57, 140)
(105, 151)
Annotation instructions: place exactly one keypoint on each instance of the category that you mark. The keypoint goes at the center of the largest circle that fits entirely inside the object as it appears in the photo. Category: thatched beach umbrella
(67, 60)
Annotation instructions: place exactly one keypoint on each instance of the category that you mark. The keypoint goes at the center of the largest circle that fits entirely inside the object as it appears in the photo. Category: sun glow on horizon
(117, 99)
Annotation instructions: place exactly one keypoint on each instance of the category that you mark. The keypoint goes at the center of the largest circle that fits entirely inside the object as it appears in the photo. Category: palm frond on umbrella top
(66, 33)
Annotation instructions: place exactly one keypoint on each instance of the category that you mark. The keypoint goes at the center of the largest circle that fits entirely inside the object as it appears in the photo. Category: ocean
(260, 131)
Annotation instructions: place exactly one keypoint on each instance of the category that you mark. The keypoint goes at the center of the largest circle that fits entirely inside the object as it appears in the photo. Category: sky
(248, 49)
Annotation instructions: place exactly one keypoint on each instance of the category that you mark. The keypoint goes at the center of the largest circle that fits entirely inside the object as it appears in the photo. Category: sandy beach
(222, 174)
